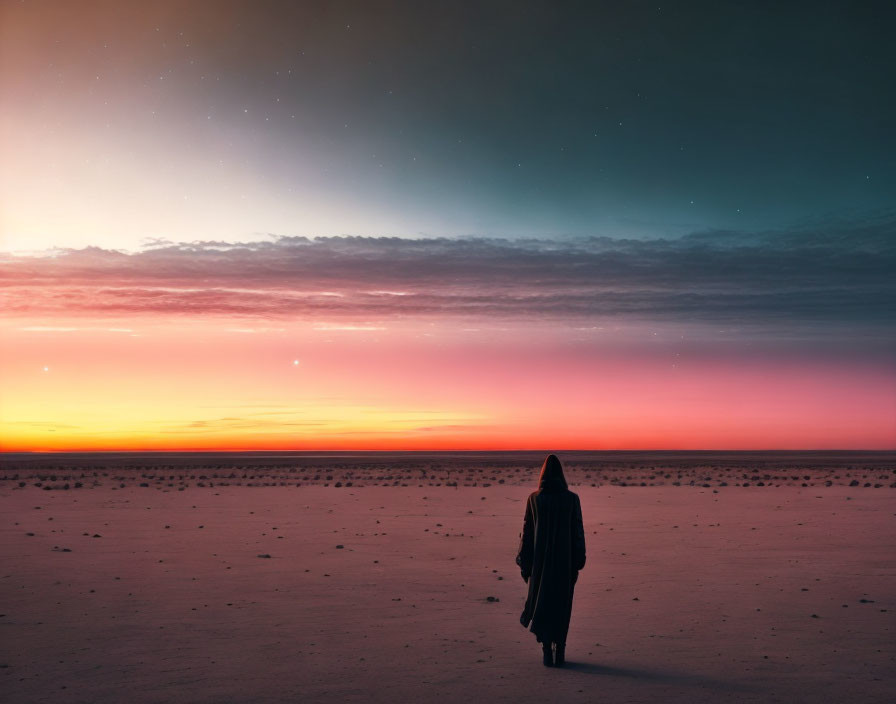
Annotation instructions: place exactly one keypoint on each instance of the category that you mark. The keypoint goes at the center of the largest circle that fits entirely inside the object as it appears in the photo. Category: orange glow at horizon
(221, 386)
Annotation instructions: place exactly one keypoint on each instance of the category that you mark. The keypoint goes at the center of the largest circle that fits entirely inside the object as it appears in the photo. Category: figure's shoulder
(575, 497)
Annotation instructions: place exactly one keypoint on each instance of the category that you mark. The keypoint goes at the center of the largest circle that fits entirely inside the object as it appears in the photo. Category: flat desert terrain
(389, 579)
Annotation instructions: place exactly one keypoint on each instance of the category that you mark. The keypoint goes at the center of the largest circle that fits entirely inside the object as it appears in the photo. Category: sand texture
(409, 592)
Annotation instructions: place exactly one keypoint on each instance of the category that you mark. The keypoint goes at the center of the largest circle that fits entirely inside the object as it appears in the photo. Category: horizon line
(433, 450)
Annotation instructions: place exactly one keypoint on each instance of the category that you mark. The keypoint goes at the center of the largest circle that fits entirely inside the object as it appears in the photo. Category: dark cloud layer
(836, 272)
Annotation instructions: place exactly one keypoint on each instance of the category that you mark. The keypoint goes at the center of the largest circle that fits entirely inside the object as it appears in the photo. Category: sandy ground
(381, 593)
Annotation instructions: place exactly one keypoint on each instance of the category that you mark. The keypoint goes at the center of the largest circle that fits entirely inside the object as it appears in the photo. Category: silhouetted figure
(552, 551)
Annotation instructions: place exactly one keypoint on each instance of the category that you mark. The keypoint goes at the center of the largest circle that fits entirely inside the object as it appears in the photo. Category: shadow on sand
(657, 676)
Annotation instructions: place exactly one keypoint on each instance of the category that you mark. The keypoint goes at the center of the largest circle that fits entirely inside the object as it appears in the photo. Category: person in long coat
(552, 551)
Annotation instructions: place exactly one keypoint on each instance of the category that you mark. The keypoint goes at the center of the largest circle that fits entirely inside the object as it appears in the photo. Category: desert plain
(710, 577)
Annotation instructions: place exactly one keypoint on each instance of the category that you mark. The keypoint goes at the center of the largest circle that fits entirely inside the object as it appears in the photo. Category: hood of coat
(552, 478)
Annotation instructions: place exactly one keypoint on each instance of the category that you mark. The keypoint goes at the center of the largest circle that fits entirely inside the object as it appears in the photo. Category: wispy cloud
(59, 328)
(833, 272)
(337, 326)
(239, 423)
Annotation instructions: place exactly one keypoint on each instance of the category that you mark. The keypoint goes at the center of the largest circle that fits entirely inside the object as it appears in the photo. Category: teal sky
(234, 120)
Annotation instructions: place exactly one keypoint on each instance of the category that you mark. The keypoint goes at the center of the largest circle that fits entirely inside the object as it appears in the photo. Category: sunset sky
(505, 225)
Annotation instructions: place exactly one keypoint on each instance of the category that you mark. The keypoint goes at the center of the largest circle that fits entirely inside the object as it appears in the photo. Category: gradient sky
(252, 225)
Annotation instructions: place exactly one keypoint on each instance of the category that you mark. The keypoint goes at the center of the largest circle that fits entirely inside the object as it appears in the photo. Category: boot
(548, 655)
(559, 654)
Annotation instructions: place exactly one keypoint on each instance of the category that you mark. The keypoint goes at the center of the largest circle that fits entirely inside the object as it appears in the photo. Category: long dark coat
(552, 551)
